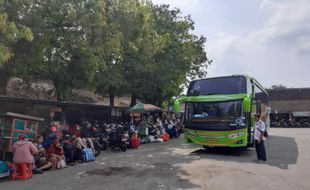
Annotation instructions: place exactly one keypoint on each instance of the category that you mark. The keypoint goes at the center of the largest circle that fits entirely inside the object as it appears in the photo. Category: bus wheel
(251, 145)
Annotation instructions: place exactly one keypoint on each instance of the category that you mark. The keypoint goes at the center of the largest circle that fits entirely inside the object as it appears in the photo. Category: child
(41, 159)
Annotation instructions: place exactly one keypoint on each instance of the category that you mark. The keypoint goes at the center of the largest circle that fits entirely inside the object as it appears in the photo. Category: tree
(183, 56)
(10, 33)
(165, 57)
(64, 32)
(110, 79)
(278, 87)
(113, 47)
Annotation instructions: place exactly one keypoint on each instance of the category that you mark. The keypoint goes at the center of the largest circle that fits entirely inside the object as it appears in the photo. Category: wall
(290, 106)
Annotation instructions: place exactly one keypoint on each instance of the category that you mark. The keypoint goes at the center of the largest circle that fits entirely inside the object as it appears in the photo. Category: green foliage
(278, 87)
(10, 33)
(171, 55)
(114, 47)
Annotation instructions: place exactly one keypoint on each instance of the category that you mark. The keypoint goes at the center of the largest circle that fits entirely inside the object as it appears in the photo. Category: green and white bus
(220, 112)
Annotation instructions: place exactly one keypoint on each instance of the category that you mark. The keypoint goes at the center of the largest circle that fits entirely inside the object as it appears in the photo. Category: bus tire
(251, 145)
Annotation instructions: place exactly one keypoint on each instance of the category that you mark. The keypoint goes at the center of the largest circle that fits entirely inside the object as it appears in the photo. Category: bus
(220, 112)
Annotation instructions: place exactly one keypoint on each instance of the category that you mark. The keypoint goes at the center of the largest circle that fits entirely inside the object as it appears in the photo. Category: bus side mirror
(177, 106)
(247, 104)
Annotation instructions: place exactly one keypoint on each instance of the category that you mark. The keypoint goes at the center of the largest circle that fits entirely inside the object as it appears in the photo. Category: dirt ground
(175, 165)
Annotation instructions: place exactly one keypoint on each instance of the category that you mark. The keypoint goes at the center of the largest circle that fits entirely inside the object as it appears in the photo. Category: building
(68, 112)
(290, 105)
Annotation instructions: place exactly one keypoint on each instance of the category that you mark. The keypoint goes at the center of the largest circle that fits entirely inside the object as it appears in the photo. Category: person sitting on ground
(69, 150)
(179, 127)
(41, 158)
(50, 137)
(132, 129)
(56, 154)
(171, 129)
(23, 151)
(159, 123)
(87, 135)
(75, 132)
(78, 148)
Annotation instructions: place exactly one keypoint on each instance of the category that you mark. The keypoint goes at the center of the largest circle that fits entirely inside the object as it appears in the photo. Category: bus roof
(253, 80)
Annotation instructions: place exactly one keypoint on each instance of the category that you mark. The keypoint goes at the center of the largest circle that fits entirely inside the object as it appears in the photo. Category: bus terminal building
(290, 107)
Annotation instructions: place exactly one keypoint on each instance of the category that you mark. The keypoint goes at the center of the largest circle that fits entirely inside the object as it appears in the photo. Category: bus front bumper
(237, 138)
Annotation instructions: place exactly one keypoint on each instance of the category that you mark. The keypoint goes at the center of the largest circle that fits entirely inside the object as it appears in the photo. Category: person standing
(260, 128)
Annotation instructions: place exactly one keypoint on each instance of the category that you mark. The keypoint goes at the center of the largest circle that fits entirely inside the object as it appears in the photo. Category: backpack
(265, 133)
(88, 155)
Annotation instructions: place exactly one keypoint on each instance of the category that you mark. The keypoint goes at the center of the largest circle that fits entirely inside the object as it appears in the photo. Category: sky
(266, 39)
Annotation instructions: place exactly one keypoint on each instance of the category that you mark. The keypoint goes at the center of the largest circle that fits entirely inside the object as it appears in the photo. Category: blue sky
(267, 39)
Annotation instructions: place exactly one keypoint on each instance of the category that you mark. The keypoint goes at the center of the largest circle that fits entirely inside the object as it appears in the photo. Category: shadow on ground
(281, 152)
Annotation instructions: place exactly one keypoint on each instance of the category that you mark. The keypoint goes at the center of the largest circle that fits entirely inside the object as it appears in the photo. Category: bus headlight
(235, 135)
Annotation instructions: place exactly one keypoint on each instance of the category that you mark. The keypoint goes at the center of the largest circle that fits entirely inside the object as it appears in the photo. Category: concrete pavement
(175, 165)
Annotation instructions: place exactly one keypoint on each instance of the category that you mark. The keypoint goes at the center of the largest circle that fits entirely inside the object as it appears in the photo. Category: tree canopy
(112, 47)
(278, 87)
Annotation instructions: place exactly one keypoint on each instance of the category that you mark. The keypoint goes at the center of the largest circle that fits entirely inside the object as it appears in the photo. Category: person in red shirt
(75, 132)
(56, 154)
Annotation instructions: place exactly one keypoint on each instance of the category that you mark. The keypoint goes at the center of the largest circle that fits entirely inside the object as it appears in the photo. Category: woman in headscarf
(23, 150)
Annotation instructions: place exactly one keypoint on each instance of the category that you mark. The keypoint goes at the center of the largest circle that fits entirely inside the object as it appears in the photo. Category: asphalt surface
(175, 165)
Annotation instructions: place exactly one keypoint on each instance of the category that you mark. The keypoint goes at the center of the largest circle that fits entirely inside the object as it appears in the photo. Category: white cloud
(280, 48)
(266, 3)
(275, 49)
(224, 42)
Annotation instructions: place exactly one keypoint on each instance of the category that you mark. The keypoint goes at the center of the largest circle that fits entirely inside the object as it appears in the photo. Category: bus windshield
(223, 85)
(215, 113)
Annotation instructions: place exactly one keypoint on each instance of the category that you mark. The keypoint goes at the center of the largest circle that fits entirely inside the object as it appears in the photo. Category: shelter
(69, 112)
(290, 104)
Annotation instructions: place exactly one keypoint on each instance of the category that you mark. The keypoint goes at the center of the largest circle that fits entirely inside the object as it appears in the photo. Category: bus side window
(258, 107)
(259, 99)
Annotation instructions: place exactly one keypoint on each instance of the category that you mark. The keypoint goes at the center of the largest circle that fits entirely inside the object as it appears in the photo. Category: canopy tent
(143, 108)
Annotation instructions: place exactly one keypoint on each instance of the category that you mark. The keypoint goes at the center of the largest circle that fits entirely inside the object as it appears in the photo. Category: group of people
(60, 147)
(154, 129)
(63, 145)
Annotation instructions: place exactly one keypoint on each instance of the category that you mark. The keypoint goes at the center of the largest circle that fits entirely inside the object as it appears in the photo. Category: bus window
(261, 100)
(221, 85)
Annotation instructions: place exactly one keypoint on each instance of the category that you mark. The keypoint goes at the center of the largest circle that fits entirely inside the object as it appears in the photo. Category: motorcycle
(118, 139)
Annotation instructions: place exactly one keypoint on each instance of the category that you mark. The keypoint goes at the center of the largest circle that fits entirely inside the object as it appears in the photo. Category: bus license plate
(212, 141)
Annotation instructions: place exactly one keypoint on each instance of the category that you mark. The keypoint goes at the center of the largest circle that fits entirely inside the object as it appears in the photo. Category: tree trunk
(2, 90)
(4, 79)
(111, 97)
(133, 100)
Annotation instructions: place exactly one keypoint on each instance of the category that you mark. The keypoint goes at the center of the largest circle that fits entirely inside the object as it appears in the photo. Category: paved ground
(175, 165)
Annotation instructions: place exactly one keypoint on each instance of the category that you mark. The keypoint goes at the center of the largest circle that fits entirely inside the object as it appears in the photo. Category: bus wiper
(211, 93)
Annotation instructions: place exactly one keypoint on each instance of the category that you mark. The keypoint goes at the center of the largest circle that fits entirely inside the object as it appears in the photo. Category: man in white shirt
(260, 128)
